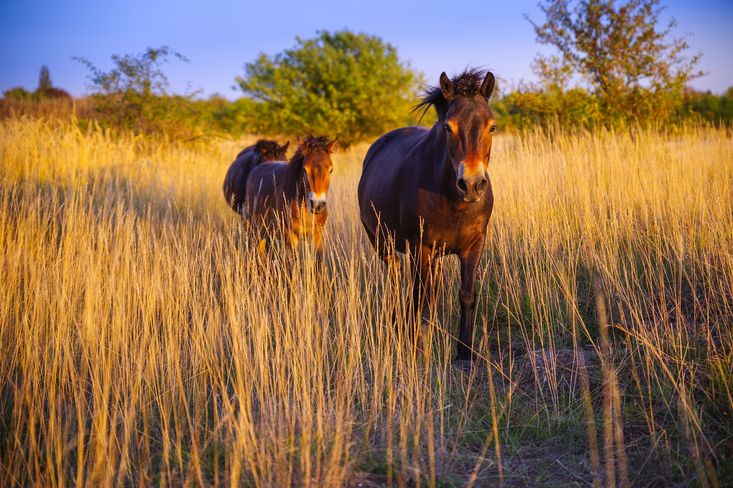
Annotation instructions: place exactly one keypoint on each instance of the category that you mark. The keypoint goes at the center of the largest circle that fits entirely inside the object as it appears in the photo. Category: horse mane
(309, 145)
(270, 150)
(467, 84)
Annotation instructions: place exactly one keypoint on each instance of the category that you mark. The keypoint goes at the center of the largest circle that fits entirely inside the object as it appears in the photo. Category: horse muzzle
(473, 187)
(316, 203)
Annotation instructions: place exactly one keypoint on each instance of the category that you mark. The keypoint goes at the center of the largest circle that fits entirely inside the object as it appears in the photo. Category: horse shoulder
(396, 137)
(261, 181)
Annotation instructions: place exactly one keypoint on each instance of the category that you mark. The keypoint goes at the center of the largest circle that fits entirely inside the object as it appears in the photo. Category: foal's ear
(446, 86)
(487, 87)
(332, 145)
(284, 147)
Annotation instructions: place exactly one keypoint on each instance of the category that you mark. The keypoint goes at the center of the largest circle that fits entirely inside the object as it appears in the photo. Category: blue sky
(218, 37)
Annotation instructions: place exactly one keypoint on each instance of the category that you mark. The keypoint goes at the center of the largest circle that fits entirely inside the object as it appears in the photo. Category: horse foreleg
(318, 243)
(293, 238)
(262, 247)
(423, 282)
(467, 297)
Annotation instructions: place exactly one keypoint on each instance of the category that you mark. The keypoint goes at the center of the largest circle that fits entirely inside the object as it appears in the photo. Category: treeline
(185, 117)
(625, 68)
(577, 107)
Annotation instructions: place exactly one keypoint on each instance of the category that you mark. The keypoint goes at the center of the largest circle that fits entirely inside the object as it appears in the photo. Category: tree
(634, 66)
(44, 79)
(343, 84)
(135, 93)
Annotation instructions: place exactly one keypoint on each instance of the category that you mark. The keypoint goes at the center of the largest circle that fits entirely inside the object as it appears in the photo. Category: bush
(18, 94)
(47, 101)
(526, 108)
(135, 95)
(717, 109)
(54, 93)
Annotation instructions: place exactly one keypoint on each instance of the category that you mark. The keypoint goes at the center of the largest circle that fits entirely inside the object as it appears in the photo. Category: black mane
(265, 150)
(467, 84)
(308, 145)
(270, 150)
(311, 144)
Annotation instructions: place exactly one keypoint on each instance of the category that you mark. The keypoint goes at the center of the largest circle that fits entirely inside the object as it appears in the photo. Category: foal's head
(467, 124)
(271, 151)
(315, 153)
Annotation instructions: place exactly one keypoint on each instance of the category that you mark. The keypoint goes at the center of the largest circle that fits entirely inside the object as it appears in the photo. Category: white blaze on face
(461, 173)
(316, 201)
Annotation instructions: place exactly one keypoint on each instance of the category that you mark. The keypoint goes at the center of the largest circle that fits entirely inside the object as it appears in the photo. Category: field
(145, 341)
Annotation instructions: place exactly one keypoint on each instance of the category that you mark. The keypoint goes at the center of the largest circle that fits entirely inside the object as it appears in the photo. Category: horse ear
(446, 86)
(332, 145)
(487, 87)
(284, 147)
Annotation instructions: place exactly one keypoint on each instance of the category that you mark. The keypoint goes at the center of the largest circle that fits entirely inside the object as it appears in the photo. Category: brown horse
(235, 181)
(278, 193)
(428, 191)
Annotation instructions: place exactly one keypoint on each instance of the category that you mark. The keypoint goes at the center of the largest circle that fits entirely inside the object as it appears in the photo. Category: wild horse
(428, 190)
(279, 193)
(236, 178)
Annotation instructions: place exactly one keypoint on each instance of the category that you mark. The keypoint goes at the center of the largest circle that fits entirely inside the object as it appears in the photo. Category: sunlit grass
(144, 339)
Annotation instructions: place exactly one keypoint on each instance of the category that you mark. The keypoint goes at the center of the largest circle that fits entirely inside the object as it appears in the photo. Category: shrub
(135, 95)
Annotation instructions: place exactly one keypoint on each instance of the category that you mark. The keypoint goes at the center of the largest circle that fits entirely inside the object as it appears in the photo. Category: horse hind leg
(391, 285)
(423, 292)
(385, 249)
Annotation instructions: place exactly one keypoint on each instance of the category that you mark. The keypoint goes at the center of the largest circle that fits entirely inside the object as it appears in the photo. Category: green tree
(622, 50)
(44, 79)
(343, 84)
(46, 90)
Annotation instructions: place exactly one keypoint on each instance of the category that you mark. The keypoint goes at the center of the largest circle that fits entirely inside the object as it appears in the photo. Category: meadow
(145, 340)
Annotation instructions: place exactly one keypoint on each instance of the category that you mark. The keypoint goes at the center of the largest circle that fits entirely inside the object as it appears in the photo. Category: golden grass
(145, 341)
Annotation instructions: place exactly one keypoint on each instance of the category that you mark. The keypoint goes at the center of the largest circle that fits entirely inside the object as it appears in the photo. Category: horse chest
(304, 223)
(450, 225)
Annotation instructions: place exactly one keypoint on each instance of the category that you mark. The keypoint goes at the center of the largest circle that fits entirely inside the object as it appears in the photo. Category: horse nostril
(462, 185)
(318, 206)
(481, 185)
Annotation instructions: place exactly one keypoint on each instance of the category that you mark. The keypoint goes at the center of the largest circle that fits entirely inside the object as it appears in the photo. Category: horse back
(393, 144)
(235, 181)
(389, 182)
(264, 184)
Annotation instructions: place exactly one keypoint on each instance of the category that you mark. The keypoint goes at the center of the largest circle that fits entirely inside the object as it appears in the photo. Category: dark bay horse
(236, 179)
(428, 190)
(279, 193)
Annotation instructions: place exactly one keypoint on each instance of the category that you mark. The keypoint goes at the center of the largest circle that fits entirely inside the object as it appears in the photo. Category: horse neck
(295, 185)
(441, 172)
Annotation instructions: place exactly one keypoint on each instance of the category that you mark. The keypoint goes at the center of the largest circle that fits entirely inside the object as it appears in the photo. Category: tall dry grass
(145, 341)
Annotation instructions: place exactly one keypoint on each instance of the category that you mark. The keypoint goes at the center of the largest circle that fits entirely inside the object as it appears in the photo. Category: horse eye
(330, 169)
(448, 129)
(492, 129)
